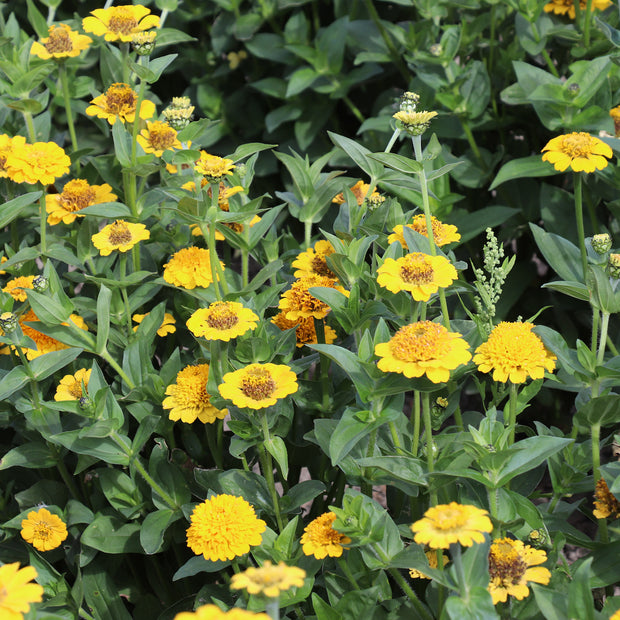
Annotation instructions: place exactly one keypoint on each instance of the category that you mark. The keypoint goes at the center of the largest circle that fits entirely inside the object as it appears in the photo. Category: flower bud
(573, 89)
(8, 322)
(85, 403)
(179, 113)
(143, 43)
(538, 538)
(40, 284)
(601, 243)
(409, 101)
(375, 200)
(613, 265)
(436, 49)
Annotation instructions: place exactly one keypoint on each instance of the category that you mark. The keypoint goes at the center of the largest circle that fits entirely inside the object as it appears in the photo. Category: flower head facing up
(567, 7)
(7, 145)
(442, 233)
(224, 527)
(120, 235)
(414, 123)
(514, 352)
(579, 150)
(321, 540)
(510, 563)
(41, 162)
(189, 268)
(75, 196)
(420, 274)
(445, 524)
(423, 348)
(158, 137)
(213, 167)
(313, 261)
(361, 192)
(605, 503)
(188, 400)
(222, 320)
(268, 579)
(297, 302)
(120, 23)
(431, 556)
(61, 42)
(168, 324)
(73, 387)
(16, 591)
(16, 287)
(305, 329)
(213, 612)
(119, 102)
(43, 530)
(258, 385)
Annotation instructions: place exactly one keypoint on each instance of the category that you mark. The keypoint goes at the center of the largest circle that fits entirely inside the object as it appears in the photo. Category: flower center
(319, 265)
(161, 136)
(119, 234)
(577, 144)
(59, 41)
(77, 195)
(506, 564)
(122, 20)
(221, 316)
(120, 98)
(76, 390)
(43, 531)
(416, 271)
(450, 519)
(258, 384)
(418, 342)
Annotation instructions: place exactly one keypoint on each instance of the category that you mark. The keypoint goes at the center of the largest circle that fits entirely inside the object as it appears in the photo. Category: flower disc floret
(420, 274)
(445, 524)
(41, 162)
(313, 261)
(120, 235)
(16, 287)
(61, 42)
(189, 268)
(119, 102)
(222, 320)
(75, 196)
(120, 23)
(213, 167)
(297, 302)
(43, 530)
(442, 233)
(213, 612)
(321, 540)
(16, 591)
(579, 150)
(512, 565)
(268, 579)
(423, 348)
(224, 527)
(70, 386)
(514, 352)
(158, 137)
(258, 385)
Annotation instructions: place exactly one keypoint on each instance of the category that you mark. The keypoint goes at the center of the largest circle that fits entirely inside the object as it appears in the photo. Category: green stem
(366, 486)
(267, 466)
(32, 134)
(324, 361)
(395, 438)
(307, 233)
(123, 268)
(595, 325)
(430, 445)
(393, 139)
(64, 83)
(415, 413)
(457, 563)
(212, 442)
(406, 588)
(512, 414)
(34, 386)
(603, 339)
(64, 473)
(125, 61)
(586, 25)
(245, 267)
(554, 502)
(272, 607)
(473, 145)
(579, 217)
(121, 373)
(545, 53)
(43, 221)
(344, 566)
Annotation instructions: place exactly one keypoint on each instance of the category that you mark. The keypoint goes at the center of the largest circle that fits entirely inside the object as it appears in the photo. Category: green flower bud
(601, 243)
(40, 284)
(613, 265)
(409, 101)
(143, 43)
(85, 403)
(436, 49)
(573, 89)
(8, 322)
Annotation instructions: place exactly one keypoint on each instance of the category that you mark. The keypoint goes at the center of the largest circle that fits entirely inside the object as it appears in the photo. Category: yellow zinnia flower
(431, 556)
(213, 612)
(43, 530)
(213, 167)
(615, 616)
(605, 503)
(579, 150)
(313, 261)
(41, 162)
(70, 386)
(222, 320)
(167, 325)
(567, 7)
(423, 348)
(224, 527)
(75, 196)
(119, 103)
(17, 591)
(445, 524)
(189, 268)
(120, 23)
(442, 233)
(420, 274)
(359, 190)
(15, 287)
(188, 400)
(297, 302)
(305, 329)
(320, 539)
(61, 42)
(268, 579)
(7, 144)
(414, 123)
(120, 235)
(514, 352)
(509, 568)
(158, 137)
(258, 385)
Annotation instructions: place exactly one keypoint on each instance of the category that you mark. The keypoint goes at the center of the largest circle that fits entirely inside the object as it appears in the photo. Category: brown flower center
(417, 272)
(120, 98)
(122, 20)
(77, 195)
(59, 41)
(577, 144)
(76, 390)
(319, 265)
(119, 234)
(258, 384)
(221, 317)
(161, 136)
(505, 564)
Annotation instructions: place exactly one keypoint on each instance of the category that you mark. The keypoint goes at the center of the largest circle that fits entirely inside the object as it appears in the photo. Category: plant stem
(110, 360)
(406, 588)
(272, 607)
(366, 486)
(457, 562)
(307, 233)
(213, 444)
(512, 414)
(32, 134)
(603, 339)
(586, 25)
(344, 566)
(393, 139)
(430, 446)
(415, 413)
(122, 268)
(43, 221)
(62, 74)
(267, 466)
(595, 324)
(324, 362)
(577, 189)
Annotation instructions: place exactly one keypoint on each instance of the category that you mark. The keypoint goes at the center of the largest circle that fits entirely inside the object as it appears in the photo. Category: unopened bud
(601, 243)
(179, 113)
(85, 403)
(573, 89)
(143, 43)
(613, 265)
(40, 284)
(8, 322)
(538, 538)
(409, 101)
(436, 49)
(375, 200)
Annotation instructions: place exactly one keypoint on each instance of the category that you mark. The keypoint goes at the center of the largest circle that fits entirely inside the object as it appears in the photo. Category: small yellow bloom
(313, 261)
(43, 530)
(189, 268)
(579, 150)
(442, 233)
(167, 325)
(75, 196)
(235, 58)
(258, 385)
(213, 612)
(41, 162)
(158, 137)
(16, 287)
(268, 579)
(431, 556)
(222, 320)
(17, 591)
(567, 7)
(320, 539)
(119, 102)
(605, 503)
(615, 114)
(297, 302)
(360, 191)
(305, 329)
(120, 235)
(213, 167)
(445, 524)
(120, 23)
(7, 144)
(70, 386)
(61, 42)
(414, 123)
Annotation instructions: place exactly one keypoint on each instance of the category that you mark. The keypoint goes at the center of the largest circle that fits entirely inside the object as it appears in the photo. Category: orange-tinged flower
(305, 329)
(119, 102)
(17, 591)
(313, 261)
(119, 235)
(158, 137)
(75, 196)
(297, 302)
(320, 539)
(360, 191)
(567, 7)
(442, 233)
(73, 387)
(61, 42)
(222, 320)
(189, 268)
(120, 23)
(43, 530)
(579, 150)
(41, 162)
(16, 287)
(605, 503)
(268, 579)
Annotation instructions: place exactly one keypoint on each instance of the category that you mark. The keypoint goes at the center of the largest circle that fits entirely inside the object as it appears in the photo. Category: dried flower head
(579, 150)
(321, 540)
(61, 42)
(605, 503)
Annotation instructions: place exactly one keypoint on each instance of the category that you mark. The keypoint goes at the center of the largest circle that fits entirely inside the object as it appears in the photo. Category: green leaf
(102, 448)
(103, 318)
(572, 289)
(359, 154)
(399, 470)
(300, 494)
(528, 167)
(31, 455)
(108, 210)
(300, 80)
(277, 448)
(13, 381)
(563, 256)
(197, 565)
(13, 208)
(603, 410)
(45, 365)
(403, 164)
(580, 600)
(154, 527)
(352, 427)
(111, 535)
(168, 475)
(122, 144)
(102, 594)
(478, 606)
(36, 20)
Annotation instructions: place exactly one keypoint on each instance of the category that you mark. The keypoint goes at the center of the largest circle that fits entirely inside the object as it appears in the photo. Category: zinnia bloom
(41, 162)
(258, 385)
(414, 123)
(514, 352)
(567, 7)
(15, 287)
(224, 527)
(222, 320)
(7, 144)
(75, 196)
(119, 103)
(120, 23)
(213, 612)
(509, 568)
(313, 261)
(445, 524)
(43, 530)
(442, 233)
(268, 579)
(17, 591)
(167, 325)
(70, 386)
(188, 400)
(158, 137)
(420, 274)
(297, 302)
(605, 503)
(189, 268)
(320, 539)
(431, 556)
(579, 150)
(213, 167)
(423, 348)
(120, 235)
(305, 329)
(61, 42)
(360, 191)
